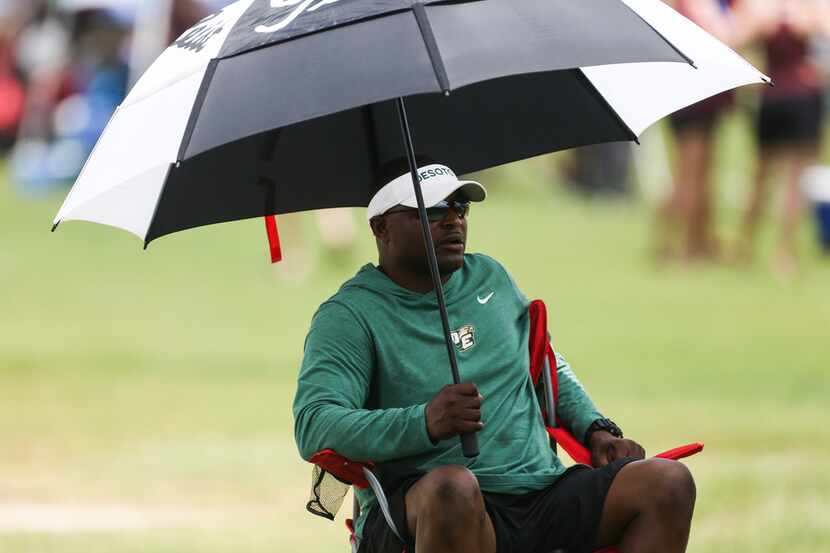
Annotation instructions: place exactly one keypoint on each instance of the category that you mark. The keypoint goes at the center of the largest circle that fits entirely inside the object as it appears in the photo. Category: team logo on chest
(464, 338)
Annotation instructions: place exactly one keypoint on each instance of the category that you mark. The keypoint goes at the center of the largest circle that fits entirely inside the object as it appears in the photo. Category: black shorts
(792, 120)
(562, 516)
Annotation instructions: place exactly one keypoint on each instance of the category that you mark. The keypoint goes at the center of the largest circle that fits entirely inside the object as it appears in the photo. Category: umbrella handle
(469, 442)
(469, 445)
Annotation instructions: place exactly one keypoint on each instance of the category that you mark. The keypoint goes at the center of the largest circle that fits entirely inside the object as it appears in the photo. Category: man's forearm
(574, 407)
(362, 434)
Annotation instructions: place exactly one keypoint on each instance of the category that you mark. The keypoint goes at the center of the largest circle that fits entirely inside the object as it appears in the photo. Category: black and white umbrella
(301, 94)
(275, 106)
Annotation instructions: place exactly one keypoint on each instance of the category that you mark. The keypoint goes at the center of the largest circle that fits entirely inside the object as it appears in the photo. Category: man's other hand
(455, 410)
(606, 447)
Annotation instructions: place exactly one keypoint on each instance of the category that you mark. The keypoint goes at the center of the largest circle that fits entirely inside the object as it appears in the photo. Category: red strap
(273, 238)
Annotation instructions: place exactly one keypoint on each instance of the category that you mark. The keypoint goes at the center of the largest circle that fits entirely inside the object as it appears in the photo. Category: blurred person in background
(789, 120)
(13, 18)
(40, 45)
(334, 230)
(158, 23)
(601, 170)
(78, 60)
(816, 179)
(685, 216)
(186, 13)
(337, 229)
(76, 76)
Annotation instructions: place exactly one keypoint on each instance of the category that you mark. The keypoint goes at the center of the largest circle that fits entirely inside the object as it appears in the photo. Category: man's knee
(452, 491)
(669, 485)
(446, 509)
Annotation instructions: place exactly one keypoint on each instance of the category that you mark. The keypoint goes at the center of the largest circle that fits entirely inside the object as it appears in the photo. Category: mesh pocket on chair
(327, 494)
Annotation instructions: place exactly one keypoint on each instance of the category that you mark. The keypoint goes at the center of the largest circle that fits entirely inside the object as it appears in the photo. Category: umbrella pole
(469, 442)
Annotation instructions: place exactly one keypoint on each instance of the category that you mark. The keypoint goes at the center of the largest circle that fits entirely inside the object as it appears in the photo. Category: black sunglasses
(439, 211)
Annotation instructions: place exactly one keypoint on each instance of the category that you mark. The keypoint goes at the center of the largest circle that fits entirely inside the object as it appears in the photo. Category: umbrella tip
(55, 226)
(768, 81)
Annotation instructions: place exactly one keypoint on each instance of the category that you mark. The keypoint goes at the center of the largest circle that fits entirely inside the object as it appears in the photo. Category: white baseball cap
(437, 182)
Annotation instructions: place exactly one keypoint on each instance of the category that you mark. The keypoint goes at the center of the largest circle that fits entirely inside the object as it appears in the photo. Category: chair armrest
(345, 470)
(580, 454)
(681, 451)
(357, 474)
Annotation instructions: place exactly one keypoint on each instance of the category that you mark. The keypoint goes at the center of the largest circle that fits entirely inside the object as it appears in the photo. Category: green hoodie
(375, 356)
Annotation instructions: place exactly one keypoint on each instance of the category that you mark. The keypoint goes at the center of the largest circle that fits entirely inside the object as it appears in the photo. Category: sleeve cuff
(420, 415)
(580, 426)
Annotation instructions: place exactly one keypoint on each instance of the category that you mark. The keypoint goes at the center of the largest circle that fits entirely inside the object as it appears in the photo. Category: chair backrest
(544, 377)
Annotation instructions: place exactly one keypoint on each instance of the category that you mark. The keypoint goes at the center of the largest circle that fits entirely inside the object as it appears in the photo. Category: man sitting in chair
(375, 357)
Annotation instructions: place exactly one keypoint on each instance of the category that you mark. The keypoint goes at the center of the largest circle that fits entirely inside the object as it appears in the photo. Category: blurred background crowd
(66, 64)
(64, 67)
(790, 41)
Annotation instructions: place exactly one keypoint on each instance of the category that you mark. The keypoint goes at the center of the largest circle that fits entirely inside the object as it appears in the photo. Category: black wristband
(603, 424)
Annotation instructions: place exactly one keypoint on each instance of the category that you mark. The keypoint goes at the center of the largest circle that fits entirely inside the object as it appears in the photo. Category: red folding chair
(544, 377)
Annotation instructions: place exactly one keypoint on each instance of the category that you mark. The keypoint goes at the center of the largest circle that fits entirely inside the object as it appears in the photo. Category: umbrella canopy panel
(497, 39)
(388, 57)
(331, 161)
(267, 22)
(309, 77)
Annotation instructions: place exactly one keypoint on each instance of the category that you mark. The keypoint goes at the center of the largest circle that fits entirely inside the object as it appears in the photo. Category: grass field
(145, 396)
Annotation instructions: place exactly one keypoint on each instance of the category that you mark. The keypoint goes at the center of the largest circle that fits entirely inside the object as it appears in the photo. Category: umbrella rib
(658, 33)
(432, 46)
(185, 144)
(197, 108)
(586, 82)
(92, 153)
(148, 236)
